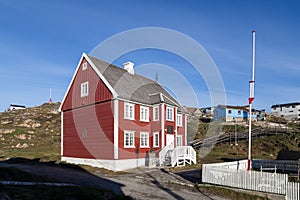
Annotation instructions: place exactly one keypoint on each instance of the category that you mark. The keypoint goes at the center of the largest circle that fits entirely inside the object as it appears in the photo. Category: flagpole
(251, 98)
(50, 101)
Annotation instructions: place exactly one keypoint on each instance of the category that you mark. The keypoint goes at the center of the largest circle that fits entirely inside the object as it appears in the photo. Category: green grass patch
(266, 147)
(228, 193)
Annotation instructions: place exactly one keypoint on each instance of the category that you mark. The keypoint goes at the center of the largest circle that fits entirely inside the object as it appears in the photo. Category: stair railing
(163, 152)
(185, 153)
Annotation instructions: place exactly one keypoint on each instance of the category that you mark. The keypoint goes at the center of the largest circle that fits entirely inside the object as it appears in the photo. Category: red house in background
(113, 118)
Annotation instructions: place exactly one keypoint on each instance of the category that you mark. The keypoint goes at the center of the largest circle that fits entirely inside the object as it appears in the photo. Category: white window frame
(156, 134)
(84, 66)
(179, 137)
(130, 135)
(179, 120)
(84, 89)
(144, 114)
(144, 139)
(128, 111)
(168, 116)
(156, 113)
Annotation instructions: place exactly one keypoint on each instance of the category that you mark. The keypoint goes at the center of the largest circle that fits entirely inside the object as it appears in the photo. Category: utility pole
(235, 131)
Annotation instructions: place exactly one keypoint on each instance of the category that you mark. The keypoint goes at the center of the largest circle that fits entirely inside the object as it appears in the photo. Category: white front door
(170, 140)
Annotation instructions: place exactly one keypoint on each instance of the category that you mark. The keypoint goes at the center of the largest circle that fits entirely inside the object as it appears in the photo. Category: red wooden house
(113, 118)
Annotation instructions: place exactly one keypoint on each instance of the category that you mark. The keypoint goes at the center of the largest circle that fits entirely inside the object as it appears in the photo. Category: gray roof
(133, 87)
(285, 104)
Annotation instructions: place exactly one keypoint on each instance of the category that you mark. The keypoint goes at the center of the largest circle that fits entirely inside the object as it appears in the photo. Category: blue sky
(42, 41)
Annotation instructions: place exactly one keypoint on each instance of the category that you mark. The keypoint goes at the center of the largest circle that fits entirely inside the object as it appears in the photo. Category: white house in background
(289, 111)
(208, 111)
(15, 107)
(194, 112)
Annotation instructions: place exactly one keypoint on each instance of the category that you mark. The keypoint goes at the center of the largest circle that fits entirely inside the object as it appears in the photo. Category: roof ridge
(112, 65)
(135, 83)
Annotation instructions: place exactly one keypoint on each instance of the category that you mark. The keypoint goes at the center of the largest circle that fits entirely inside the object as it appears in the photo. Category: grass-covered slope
(31, 133)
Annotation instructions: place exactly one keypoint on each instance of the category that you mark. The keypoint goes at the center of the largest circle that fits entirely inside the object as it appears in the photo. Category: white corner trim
(185, 129)
(170, 100)
(161, 97)
(116, 128)
(84, 55)
(114, 93)
(162, 125)
(70, 84)
(61, 134)
(176, 128)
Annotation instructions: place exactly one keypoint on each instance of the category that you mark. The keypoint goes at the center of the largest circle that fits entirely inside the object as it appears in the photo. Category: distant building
(232, 113)
(261, 115)
(15, 107)
(208, 111)
(289, 111)
(194, 112)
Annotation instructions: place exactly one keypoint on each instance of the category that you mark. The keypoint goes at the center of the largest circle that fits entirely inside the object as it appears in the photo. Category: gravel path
(143, 183)
(158, 184)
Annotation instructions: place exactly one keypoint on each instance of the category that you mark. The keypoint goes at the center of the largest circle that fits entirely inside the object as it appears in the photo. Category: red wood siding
(156, 127)
(181, 129)
(97, 143)
(169, 123)
(97, 89)
(133, 125)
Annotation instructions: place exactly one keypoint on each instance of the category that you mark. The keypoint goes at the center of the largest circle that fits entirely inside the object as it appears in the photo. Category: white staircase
(180, 156)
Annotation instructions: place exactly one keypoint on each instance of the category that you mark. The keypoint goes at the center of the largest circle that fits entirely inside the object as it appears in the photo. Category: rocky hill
(31, 132)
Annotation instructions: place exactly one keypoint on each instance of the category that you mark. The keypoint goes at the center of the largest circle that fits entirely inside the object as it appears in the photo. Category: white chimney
(129, 67)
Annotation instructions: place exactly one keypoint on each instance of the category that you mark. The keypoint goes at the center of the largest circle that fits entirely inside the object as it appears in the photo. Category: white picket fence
(234, 174)
(293, 191)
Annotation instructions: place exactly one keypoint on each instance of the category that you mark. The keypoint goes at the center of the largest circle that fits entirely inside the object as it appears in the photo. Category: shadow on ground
(193, 175)
(61, 172)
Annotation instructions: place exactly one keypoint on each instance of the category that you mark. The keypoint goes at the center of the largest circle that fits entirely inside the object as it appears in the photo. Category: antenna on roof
(50, 101)
(156, 77)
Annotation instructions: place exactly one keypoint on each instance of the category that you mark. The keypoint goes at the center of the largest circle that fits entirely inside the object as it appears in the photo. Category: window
(169, 113)
(84, 134)
(229, 111)
(144, 139)
(144, 114)
(239, 112)
(85, 89)
(170, 129)
(84, 66)
(179, 140)
(156, 139)
(129, 111)
(179, 120)
(129, 139)
(293, 106)
(155, 113)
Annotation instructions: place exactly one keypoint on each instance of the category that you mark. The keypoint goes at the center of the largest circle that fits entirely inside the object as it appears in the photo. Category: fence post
(298, 169)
